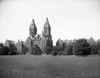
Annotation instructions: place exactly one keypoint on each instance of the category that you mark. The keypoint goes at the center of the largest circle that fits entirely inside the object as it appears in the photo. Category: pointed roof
(91, 41)
(10, 41)
(33, 24)
(47, 23)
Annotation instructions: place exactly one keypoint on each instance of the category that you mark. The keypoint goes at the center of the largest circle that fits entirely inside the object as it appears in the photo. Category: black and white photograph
(49, 38)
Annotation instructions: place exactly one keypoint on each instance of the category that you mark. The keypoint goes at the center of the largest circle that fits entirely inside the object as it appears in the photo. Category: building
(19, 46)
(9, 42)
(42, 40)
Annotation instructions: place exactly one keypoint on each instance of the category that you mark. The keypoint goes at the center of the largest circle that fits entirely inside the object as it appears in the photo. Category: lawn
(24, 66)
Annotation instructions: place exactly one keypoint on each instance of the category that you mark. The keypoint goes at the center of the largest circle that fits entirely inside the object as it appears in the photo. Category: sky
(69, 19)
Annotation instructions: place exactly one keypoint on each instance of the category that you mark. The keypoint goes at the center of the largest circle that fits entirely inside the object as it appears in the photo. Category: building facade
(42, 40)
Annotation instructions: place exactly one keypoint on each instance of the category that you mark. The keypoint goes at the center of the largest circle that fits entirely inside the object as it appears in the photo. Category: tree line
(79, 47)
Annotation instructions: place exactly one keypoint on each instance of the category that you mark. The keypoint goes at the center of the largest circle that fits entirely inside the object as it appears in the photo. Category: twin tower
(42, 40)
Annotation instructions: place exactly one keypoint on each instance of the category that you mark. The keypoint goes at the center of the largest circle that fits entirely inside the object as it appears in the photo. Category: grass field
(24, 66)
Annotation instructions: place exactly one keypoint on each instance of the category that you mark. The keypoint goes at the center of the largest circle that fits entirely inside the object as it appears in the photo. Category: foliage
(60, 53)
(98, 51)
(81, 47)
(47, 50)
(98, 48)
(93, 49)
(60, 45)
(54, 51)
(5, 50)
(68, 50)
(35, 50)
(12, 49)
(1, 48)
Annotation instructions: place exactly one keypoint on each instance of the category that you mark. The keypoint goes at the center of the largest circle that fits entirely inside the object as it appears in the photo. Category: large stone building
(42, 40)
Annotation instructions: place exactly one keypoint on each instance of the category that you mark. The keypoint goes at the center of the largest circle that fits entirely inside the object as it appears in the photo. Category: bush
(81, 47)
(35, 50)
(60, 53)
(47, 50)
(54, 51)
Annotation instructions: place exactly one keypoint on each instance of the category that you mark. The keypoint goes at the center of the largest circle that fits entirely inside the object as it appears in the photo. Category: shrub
(35, 50)
(60, 53)
(47, 50)
(54, 51)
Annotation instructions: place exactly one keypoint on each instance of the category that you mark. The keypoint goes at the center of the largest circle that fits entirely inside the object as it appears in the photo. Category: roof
(10, 41)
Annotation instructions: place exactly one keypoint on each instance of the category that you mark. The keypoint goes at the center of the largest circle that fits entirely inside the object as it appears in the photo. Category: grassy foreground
(24, 66)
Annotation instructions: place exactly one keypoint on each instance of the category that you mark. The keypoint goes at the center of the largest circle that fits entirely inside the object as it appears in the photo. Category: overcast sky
(69, 19)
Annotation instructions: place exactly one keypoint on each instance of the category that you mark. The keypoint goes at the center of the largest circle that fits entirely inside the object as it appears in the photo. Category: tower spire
(47, 21)
(33, 22)
(47, 29)
(32, 29)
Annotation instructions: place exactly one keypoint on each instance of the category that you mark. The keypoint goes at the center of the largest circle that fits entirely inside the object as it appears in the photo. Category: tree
(5, 50)
(93, 49)
(98, 51)
(35, 50)
(12, 49)
(93, 46)
(68, 50)
(60, 45)
(1, 48)
(98, 48)
(81, 47)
